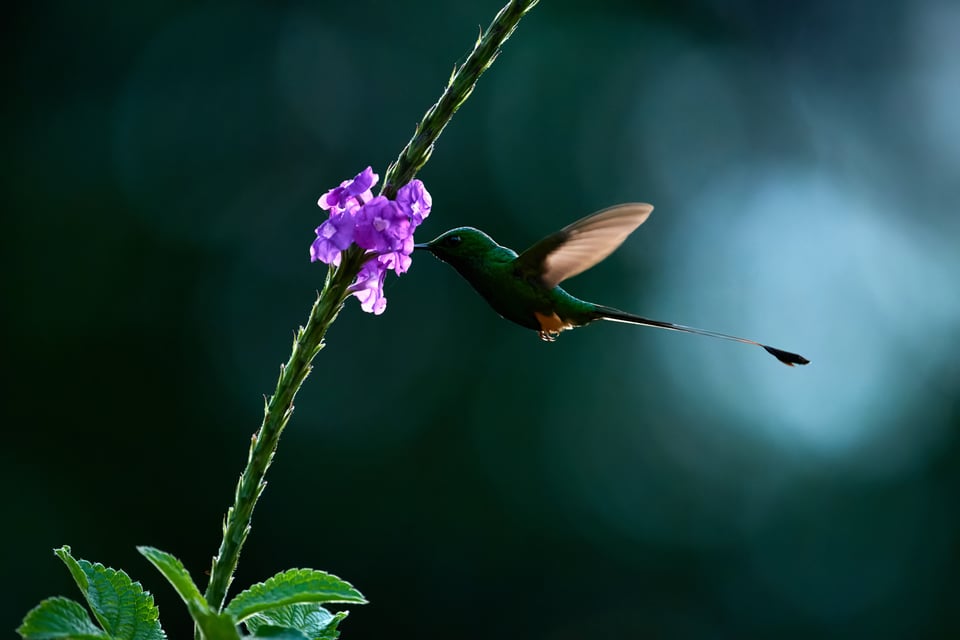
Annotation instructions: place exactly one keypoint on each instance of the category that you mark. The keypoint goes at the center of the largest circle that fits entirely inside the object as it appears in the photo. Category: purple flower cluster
(381, 226)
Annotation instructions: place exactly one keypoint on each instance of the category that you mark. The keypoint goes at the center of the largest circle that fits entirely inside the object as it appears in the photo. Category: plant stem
(309, 338)
(276, 414)
(485, 51)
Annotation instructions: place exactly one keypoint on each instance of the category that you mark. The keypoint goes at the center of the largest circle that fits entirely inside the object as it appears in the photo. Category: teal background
(162, 163)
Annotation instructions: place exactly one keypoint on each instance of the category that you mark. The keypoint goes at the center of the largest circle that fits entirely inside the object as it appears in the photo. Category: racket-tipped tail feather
(609, 313)
(786, 357)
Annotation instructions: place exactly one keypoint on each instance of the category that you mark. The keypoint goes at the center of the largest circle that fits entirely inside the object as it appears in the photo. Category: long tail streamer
(609, 313)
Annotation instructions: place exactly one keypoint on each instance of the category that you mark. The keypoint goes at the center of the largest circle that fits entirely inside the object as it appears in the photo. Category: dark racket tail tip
(609, 313)
(786, 357)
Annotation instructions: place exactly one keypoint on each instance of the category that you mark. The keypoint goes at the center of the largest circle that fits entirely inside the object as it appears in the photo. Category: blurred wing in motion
(580, 245)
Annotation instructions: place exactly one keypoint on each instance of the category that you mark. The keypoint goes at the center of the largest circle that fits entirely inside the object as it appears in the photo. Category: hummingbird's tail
(609, 313)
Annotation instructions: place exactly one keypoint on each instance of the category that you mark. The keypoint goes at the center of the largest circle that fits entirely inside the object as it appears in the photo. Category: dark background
(162, 164)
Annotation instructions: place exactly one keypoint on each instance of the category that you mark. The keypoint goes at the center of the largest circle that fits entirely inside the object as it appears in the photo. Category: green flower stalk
(417, 151)
(352, 271)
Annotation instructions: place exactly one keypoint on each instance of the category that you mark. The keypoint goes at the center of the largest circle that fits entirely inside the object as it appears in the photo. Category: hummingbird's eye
(452, 241)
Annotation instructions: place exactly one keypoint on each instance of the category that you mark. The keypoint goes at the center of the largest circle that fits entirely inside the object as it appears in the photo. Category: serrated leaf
(178, 576)
(310, 618)
(292, 587)
(120, 605)
(279, 633)
(332, 632)
(218, 626)
(212, 624)
(78, 575)
(59, 618)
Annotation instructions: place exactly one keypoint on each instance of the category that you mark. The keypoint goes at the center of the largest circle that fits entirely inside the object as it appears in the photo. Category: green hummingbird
(524, 288)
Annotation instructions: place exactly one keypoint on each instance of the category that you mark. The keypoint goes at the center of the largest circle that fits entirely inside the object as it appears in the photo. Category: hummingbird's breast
(524, 299)
(511, 297)
(521, 297)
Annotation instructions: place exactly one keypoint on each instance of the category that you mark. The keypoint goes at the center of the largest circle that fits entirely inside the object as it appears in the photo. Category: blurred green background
(162, 164)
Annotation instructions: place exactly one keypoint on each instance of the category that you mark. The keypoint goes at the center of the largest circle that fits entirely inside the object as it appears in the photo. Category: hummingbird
(524, 288)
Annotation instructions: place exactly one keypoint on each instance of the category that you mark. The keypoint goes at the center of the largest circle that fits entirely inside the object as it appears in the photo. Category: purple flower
(368, 287)
(415, 201)
(333, 236)
(399, 261)
(351, 194)
(382, 226)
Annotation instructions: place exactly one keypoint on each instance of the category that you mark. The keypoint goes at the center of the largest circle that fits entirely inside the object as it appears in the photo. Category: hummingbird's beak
(422, 245)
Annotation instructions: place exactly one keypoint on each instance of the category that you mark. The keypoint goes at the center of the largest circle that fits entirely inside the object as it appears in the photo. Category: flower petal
(368, 287)
(415, 201)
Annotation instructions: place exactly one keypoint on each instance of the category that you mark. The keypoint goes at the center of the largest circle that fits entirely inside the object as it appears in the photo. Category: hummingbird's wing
(580, 245)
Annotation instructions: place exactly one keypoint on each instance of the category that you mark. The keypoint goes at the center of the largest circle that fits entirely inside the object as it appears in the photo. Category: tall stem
(485, 51)
(309, 338)
(306, 345)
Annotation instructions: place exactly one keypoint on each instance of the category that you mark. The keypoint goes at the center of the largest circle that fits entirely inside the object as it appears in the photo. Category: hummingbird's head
(460, 247)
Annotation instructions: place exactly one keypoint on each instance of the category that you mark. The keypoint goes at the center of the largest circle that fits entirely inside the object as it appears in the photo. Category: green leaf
(309, 618)
(178, 576)
(292, 587)
(279, 633)
(218, 626)
(121, 606)
(59, 618)
(78, 575)
(212, 624)
(331, 632)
